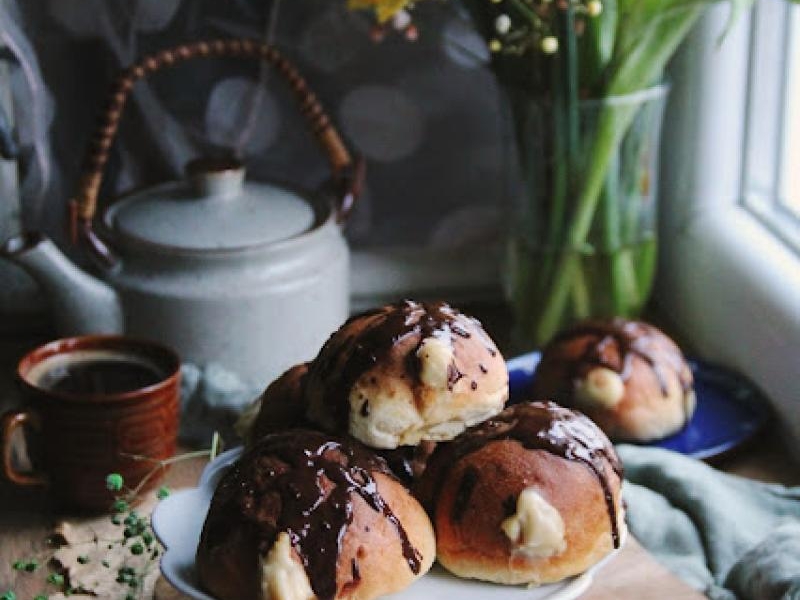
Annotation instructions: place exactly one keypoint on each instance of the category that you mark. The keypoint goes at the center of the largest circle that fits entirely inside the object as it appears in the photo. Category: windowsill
(734, 290)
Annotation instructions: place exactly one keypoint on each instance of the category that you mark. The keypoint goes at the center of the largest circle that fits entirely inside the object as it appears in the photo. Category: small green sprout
(114, 482)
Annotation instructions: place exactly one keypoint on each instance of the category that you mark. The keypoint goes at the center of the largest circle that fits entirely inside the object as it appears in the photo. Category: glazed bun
(305, 515)
(282, 406)
(627, 376)
(405, 373)
(530, 496)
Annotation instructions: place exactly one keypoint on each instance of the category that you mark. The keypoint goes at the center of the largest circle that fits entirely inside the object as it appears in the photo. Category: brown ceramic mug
(92, 402)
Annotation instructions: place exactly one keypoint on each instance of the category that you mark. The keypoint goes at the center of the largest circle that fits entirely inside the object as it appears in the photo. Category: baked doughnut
(305, 515)
(282, 406)
(627, 376)
(530, 496)
(405, 373)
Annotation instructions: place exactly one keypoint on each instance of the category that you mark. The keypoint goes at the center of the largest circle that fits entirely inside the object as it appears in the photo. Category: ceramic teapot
(252, 277)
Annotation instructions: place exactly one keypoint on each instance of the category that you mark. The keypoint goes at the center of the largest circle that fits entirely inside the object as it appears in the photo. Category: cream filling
(536, 529)
(283, 577)
(601, 386)
(388, 417)
(435, 357)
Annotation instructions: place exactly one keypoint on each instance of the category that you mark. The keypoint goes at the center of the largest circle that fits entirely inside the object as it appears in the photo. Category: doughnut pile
(394, 447)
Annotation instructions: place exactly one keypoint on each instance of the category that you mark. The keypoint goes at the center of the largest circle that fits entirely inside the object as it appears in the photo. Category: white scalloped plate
(178, 521)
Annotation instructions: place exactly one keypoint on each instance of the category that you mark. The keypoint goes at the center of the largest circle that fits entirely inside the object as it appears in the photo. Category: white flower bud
(401, 20)
(594, 8)
(550, 44)
(502, 24)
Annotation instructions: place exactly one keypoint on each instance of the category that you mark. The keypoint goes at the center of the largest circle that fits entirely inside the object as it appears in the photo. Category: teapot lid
(212, 209)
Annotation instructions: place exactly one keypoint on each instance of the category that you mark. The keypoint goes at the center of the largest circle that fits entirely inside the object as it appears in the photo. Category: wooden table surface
(26, 518)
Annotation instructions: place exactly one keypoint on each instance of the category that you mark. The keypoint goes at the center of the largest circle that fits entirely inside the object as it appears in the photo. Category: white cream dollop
(435, 361)
(388, 415)
(536, 529)
(601, 386)
(283, 577)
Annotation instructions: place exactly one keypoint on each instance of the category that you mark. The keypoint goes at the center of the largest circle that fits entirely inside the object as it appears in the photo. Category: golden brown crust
(372, 542)
(478, 487)
(283, 403)
(475, 546)
(656, 397)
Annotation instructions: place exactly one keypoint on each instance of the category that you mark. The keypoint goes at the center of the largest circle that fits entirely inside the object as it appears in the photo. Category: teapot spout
(80, 303)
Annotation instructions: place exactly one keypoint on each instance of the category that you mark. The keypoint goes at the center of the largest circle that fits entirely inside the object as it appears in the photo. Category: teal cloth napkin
(729, 537)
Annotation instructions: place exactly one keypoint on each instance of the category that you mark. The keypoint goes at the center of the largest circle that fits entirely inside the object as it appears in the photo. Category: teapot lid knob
(215, 176)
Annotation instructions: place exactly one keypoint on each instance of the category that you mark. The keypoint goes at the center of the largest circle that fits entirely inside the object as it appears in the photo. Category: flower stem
(612, 123)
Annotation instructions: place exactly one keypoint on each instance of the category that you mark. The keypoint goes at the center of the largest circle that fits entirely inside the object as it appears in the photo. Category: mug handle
(10, 422)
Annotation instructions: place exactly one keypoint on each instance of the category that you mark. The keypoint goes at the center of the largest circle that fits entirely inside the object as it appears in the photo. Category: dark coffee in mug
(95, 372)
(95, 404)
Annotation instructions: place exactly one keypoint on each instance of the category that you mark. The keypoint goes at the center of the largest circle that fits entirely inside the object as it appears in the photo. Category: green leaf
(649, 32)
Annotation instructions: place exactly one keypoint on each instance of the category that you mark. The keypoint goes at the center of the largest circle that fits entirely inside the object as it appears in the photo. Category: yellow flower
(384, 9)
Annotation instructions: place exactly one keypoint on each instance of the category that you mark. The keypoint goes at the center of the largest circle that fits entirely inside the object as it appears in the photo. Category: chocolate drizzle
(537, 426)
(302, 482)
(408, 462)
(372, 335)
(615, 342)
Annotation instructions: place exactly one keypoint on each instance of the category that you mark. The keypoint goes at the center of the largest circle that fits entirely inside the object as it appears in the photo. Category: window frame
(771, 45)
(729, 285)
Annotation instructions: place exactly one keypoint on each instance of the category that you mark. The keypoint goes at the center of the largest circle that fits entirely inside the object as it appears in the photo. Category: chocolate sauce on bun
(536, 426)
(404, 373)
(310, 486)
(628, 376)
(532, 495)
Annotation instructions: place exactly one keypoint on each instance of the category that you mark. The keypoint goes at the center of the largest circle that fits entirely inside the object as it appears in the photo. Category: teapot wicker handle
(84, 205)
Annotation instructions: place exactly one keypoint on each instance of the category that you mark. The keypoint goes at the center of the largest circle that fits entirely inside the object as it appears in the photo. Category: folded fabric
(212, 398)
(729, 537)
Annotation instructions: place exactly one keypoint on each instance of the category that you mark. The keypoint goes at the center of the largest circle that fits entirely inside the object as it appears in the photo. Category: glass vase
(582, 239)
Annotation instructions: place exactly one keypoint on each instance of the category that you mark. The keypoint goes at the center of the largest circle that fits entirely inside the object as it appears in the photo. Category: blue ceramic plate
(729, 408)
